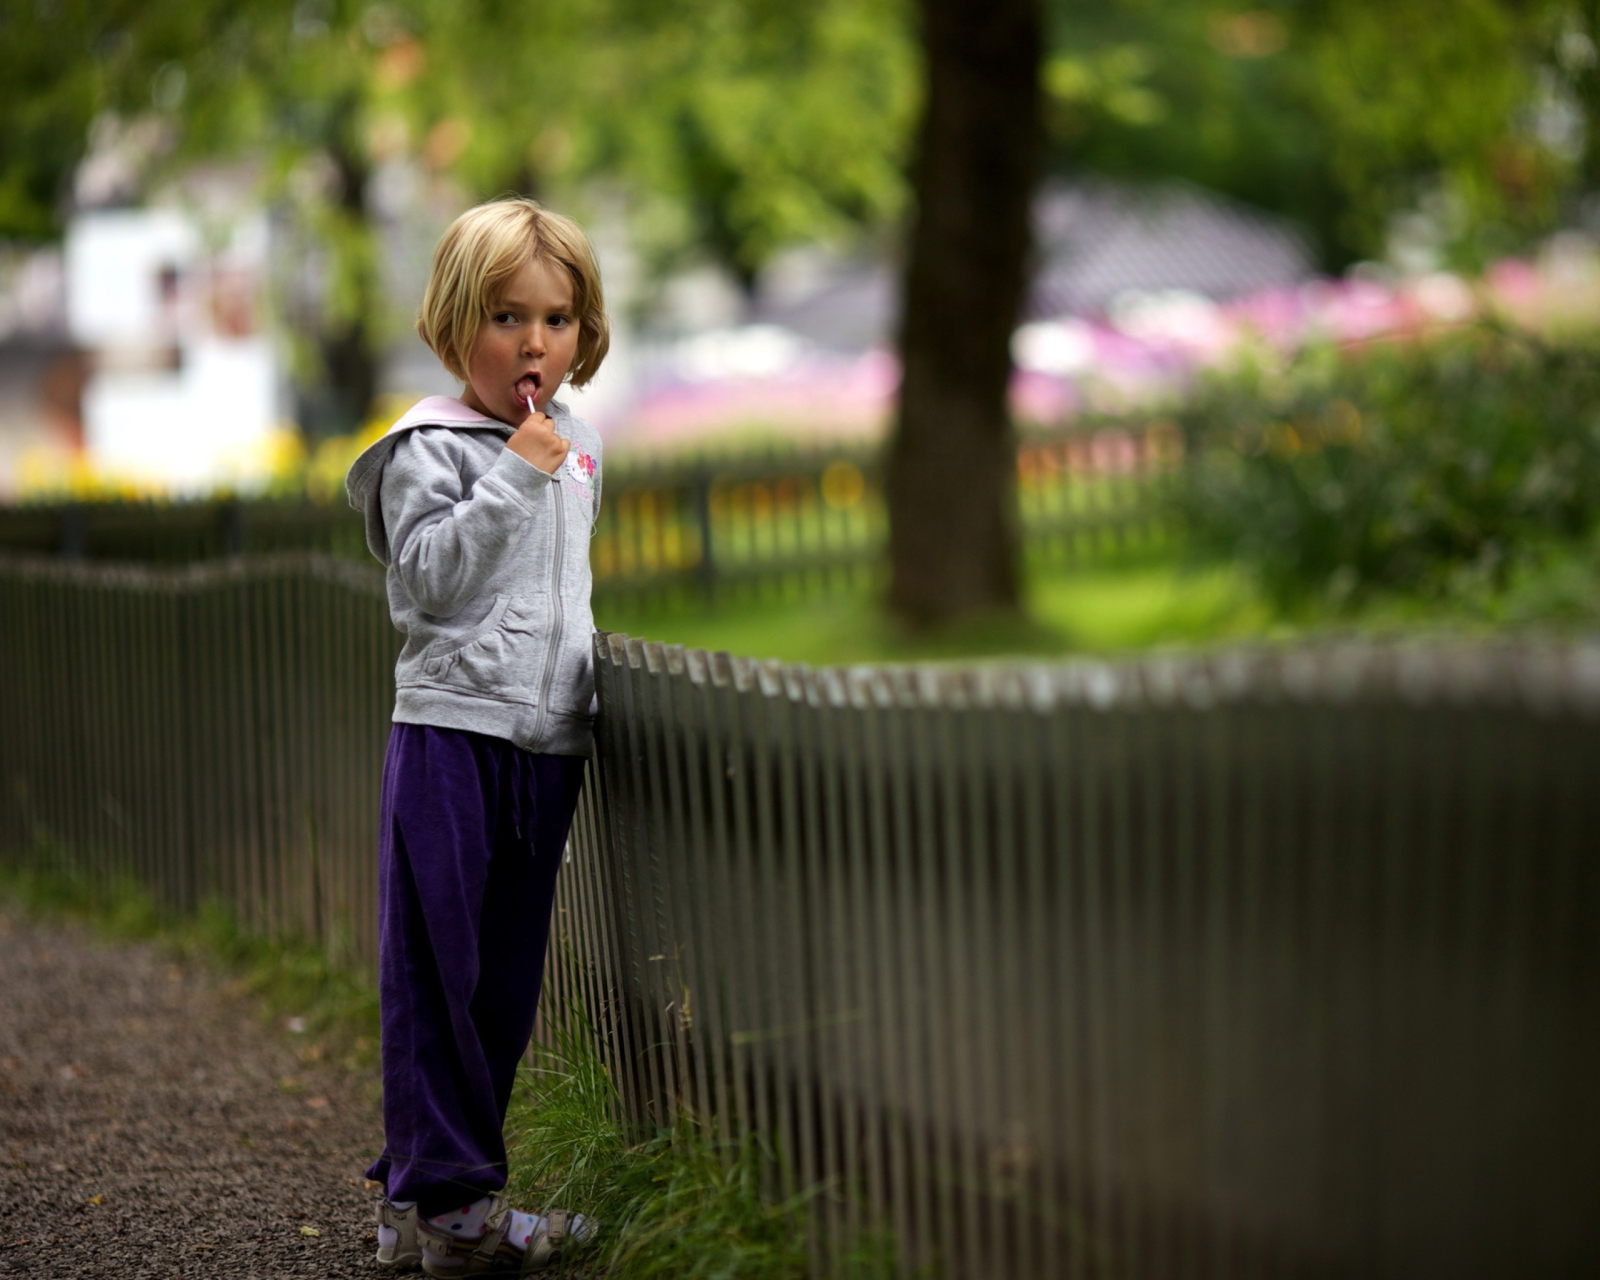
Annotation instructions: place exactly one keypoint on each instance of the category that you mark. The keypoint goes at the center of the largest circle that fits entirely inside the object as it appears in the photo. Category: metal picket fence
(1272, 964)
(1249, 965)
(212, 732)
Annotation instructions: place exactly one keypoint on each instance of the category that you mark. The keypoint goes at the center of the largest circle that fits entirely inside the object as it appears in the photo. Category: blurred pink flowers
(1143, 351)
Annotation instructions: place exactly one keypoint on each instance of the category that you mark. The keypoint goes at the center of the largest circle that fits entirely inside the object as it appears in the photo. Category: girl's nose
(533, 340)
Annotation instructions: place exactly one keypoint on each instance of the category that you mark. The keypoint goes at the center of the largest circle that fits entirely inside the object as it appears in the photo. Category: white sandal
(444, 1255)
(405, 1253)
(545, 1248)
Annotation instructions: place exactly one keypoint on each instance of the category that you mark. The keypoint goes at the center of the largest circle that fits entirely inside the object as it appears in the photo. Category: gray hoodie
(488, 573)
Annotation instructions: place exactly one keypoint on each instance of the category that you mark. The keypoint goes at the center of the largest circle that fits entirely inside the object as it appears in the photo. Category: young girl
(480, 509)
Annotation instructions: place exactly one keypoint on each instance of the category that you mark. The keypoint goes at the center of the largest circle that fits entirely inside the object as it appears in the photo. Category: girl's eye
(559, 322)
(504, 317)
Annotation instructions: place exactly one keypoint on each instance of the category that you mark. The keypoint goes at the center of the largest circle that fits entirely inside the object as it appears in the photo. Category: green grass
(1157, 602)
(1150, 605)
(1134, 606)
(672, 1206)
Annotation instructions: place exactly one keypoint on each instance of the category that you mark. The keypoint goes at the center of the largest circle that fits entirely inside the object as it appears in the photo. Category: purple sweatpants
(471, 836)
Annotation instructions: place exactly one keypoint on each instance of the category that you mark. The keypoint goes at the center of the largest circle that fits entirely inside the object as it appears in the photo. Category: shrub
(1418, 467)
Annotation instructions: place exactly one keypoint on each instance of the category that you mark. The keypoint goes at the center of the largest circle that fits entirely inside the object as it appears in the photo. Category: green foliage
(737, 126)
(1463, 100)
(68, 61)
(1189, 89)
(1342, 113)
(674, 1205)
(766, 123)
(1433, 468)
(744, 125)
(46, 104)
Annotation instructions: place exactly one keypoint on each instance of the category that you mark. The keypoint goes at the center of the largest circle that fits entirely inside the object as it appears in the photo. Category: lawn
(1136, 606)
(1162, 600)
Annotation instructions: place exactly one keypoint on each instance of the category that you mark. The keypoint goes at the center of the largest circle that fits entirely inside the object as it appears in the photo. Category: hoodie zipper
(560, 620)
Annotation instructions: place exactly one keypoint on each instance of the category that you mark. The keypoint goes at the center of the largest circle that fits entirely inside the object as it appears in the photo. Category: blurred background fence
(793, 522)
(1275, 964)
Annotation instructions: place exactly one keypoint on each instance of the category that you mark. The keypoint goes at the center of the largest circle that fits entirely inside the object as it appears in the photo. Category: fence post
(74, 531)
(230, 524)
(700, 496)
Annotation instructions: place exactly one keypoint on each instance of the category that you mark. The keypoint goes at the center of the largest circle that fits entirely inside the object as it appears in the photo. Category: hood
(366, 472)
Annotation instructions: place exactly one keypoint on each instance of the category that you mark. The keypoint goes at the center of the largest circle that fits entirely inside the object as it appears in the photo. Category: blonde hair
(481, 251)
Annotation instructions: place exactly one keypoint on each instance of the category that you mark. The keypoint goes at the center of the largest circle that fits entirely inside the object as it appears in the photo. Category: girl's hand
(536, 441)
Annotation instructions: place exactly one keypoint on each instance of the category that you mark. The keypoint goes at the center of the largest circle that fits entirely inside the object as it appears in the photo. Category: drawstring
(517, 791)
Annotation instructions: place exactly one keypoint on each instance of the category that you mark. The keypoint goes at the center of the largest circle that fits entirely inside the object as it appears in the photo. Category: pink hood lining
(432, 411)
(443, 411)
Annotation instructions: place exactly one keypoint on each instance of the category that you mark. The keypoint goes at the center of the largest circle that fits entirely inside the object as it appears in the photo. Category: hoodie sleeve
(444, 544)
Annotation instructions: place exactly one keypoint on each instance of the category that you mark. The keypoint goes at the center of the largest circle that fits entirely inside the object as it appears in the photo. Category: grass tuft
(672, 1205)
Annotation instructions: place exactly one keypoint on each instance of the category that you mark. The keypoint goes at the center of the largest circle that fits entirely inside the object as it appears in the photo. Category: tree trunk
(350, 370)
(953, 545)
(341, 398)
(1587, 85)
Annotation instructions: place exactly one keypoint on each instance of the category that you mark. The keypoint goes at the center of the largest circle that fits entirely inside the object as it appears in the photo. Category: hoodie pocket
(496, 657)
(433, 657)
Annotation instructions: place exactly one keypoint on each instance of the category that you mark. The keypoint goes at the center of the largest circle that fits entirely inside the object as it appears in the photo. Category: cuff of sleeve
(524, 481)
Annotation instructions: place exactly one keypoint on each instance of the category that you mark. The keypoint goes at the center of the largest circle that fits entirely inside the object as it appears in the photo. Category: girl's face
(525, 346)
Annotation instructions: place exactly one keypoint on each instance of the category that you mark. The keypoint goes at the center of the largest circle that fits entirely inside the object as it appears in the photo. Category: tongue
(526, 387)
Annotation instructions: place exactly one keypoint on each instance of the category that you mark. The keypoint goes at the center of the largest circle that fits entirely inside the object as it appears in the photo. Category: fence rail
(1280, 964)
(811, 522)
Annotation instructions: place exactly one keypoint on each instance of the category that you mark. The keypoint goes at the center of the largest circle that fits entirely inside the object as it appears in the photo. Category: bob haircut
(481, 251)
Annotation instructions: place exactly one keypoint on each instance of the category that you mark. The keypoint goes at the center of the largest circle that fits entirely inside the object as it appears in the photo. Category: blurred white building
(184, 389)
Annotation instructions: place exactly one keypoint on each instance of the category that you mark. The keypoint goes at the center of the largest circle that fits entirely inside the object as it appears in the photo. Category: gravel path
(150, 1127)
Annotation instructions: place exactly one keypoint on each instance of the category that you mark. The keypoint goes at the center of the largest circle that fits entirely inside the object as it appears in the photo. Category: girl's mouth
(527, 385)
